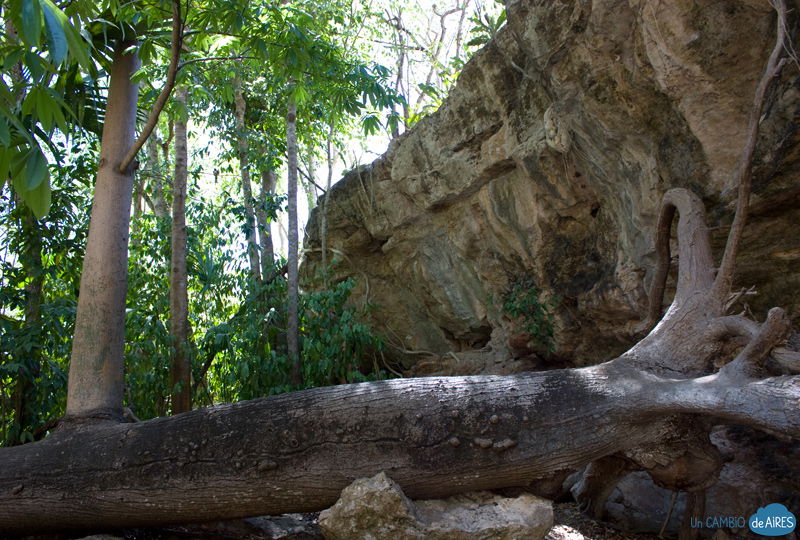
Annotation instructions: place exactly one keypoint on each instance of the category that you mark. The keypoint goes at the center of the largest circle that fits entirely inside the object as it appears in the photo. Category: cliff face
(547, 163)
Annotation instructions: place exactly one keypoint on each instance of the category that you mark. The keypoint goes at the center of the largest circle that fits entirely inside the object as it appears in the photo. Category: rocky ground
(571, 524)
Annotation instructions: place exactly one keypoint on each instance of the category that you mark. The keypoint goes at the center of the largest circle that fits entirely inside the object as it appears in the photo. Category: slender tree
(311, 170)
(268, 183)
(96, 367)
(323, 220)
(154, 172)
(178, 293)
(293, 323)
(244, 169)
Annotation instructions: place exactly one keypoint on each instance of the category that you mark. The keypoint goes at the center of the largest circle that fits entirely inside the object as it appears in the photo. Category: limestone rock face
(547, 162)
(377, 508)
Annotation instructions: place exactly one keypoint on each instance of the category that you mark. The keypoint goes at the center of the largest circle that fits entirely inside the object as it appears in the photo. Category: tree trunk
(295, 452)
(268, 183)
(181, 376)
(247, 192)
(323, 220)
(308, 187)
(138, 197)
(155, 171)
(96, 366)
(292, 324)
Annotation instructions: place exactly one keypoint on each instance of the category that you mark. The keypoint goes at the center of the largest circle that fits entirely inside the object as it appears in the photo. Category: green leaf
(34, 64)
(31, 22)
(23, 164)
(35, 169)
(77, 46)
(54, 32)
(480, 40)
(5, 164)
(5, 135)
(13, 57)
(12, 118)
(39, 199)
(300, 94)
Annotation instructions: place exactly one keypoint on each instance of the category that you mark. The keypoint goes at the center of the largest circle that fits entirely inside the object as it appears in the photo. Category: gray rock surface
(548, 160)
(376, 508)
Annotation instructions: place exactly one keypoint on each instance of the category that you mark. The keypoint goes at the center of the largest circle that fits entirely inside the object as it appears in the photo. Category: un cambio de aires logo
(772, 520)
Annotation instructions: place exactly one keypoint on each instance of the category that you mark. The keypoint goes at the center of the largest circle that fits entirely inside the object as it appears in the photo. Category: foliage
(46, 57)
(335, 344)
(485, 27)
(56, 60)
(522, 299)
(238, 325)
(251, 351)
(34, 352)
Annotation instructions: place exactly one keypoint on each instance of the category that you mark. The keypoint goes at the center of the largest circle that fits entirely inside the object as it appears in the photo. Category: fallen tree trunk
(296, 452)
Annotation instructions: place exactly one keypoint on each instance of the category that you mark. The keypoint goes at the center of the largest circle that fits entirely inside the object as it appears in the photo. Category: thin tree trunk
(178, 296)
(292, 326)
(460, 29)
(308, 187)
(138, 198)
(323, 222)
(155, 170)
(282, 237)
(268, 182)
(96, 366)
(398, 85)
(247, 192)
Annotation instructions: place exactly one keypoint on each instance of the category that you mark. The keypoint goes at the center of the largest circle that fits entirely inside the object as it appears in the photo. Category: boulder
(374, 508)
(546, 165)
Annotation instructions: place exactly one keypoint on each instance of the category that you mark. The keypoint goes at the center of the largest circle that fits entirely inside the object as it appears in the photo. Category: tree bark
(268, 182)
(163, 96)
(160, 207)
(296, 375)
(96, 366)
(247, 192)
(295, 452)
(308, 187)
(323, 221)
(181, 376)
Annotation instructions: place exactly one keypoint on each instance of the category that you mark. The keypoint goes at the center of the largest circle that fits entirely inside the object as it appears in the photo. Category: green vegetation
(522, 299)
(241, 66)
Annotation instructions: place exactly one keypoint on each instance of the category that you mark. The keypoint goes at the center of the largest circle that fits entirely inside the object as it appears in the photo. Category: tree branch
(216, 59)
(774, 330)
(203, 370)
(695, 262)
(724, 280)
(169, 84)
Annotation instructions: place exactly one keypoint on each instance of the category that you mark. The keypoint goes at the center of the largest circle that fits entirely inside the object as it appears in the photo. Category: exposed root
(735, 297)
(788, 359)
(695, 264)
(773, 332)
